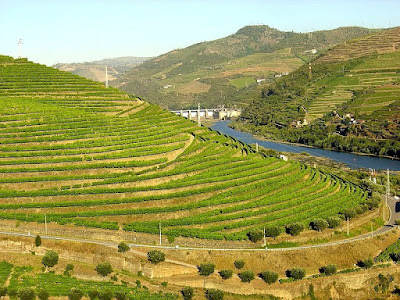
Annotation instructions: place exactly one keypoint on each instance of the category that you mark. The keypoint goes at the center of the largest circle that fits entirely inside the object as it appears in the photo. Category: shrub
(255, 235)
(50, 259)
(206, 269)
(328, 270)
(122, 247)
(319, 224)
(334, 222)
(296, 273)
(43, 294)
(397, 222)
(225, 274)
(104, 269)
(69, 267)
(366, 263)
(93, 294)
(155, 256)
(75, 294)
(268, 276)
(12, 293)
(213, 294)
(120, 295)
(294, 229)
(3, 291)
(38, 241)
(272, 231)
(164, 283)
(349, 213)
(395, 256)
(171, 239)
(106, 295)
(239, 264)
(246, 276)
(187, 293)
(26, 294)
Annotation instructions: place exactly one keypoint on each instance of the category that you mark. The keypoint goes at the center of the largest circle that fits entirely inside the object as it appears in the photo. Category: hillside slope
(213, 72)
(80, 154)
(351, 99)
(95, 70)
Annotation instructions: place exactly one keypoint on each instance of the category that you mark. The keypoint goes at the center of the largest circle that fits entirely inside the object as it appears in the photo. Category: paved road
(394, 207)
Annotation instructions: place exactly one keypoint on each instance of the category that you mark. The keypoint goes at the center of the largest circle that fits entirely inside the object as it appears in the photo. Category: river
(354, 161)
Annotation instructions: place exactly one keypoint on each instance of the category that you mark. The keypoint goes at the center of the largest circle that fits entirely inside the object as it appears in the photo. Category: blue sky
(85, 30)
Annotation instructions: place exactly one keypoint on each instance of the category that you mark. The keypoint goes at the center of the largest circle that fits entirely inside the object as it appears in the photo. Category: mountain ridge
(210, 64)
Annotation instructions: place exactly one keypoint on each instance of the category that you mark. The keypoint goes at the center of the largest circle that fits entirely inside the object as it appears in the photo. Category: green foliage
(206, 269)
(366, 263)
(38, 241)
(319, 224)
(187, 293)
(255, 235)
(120, 295)
(12, 293)
(43, 294)
(26, 294)
(225, 274)
(246, 276)
(383, 283)
(294, 229)
(93, 294)
(214, 294)
(239, 264)
(296, 273)
(334, 222)
(106, 294)
(3, 291)
(75, 294)
(104, 269)
(328, 270)
(122, 247)
(273, 231)
(268, 276)
(50, 259)
(155, 256)
(390, 252)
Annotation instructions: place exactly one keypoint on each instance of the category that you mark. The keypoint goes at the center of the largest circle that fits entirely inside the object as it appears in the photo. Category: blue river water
(354, 161)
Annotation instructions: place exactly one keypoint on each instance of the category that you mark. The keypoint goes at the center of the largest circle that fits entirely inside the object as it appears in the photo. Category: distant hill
(95, 70)
(213, 72)
(351, 99)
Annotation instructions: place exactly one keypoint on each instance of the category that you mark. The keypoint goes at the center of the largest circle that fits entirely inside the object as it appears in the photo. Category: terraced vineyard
(60, 285)
(375, 80)
(84, 155)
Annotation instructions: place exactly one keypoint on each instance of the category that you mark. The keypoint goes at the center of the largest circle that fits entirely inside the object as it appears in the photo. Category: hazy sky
(85, 30)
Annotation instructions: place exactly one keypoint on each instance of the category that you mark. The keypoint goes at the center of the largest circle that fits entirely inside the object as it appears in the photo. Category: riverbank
(352, 160)
(263, 138)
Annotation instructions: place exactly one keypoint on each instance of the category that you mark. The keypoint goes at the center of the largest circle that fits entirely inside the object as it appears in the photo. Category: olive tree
(50, 259)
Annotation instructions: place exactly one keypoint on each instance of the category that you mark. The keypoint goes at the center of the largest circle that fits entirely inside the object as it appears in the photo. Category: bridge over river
(208, 113)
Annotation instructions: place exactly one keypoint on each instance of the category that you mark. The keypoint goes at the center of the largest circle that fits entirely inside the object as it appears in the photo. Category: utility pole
(20, 43)
(45, 223)
(265, 242)
(348, 227)
(257, 151)
(106, 77)
(387, 194)
(198, 114)
(160, 234)
(372, 230)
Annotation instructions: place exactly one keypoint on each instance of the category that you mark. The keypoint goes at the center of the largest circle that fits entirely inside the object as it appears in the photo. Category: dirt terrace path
(393, 205)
